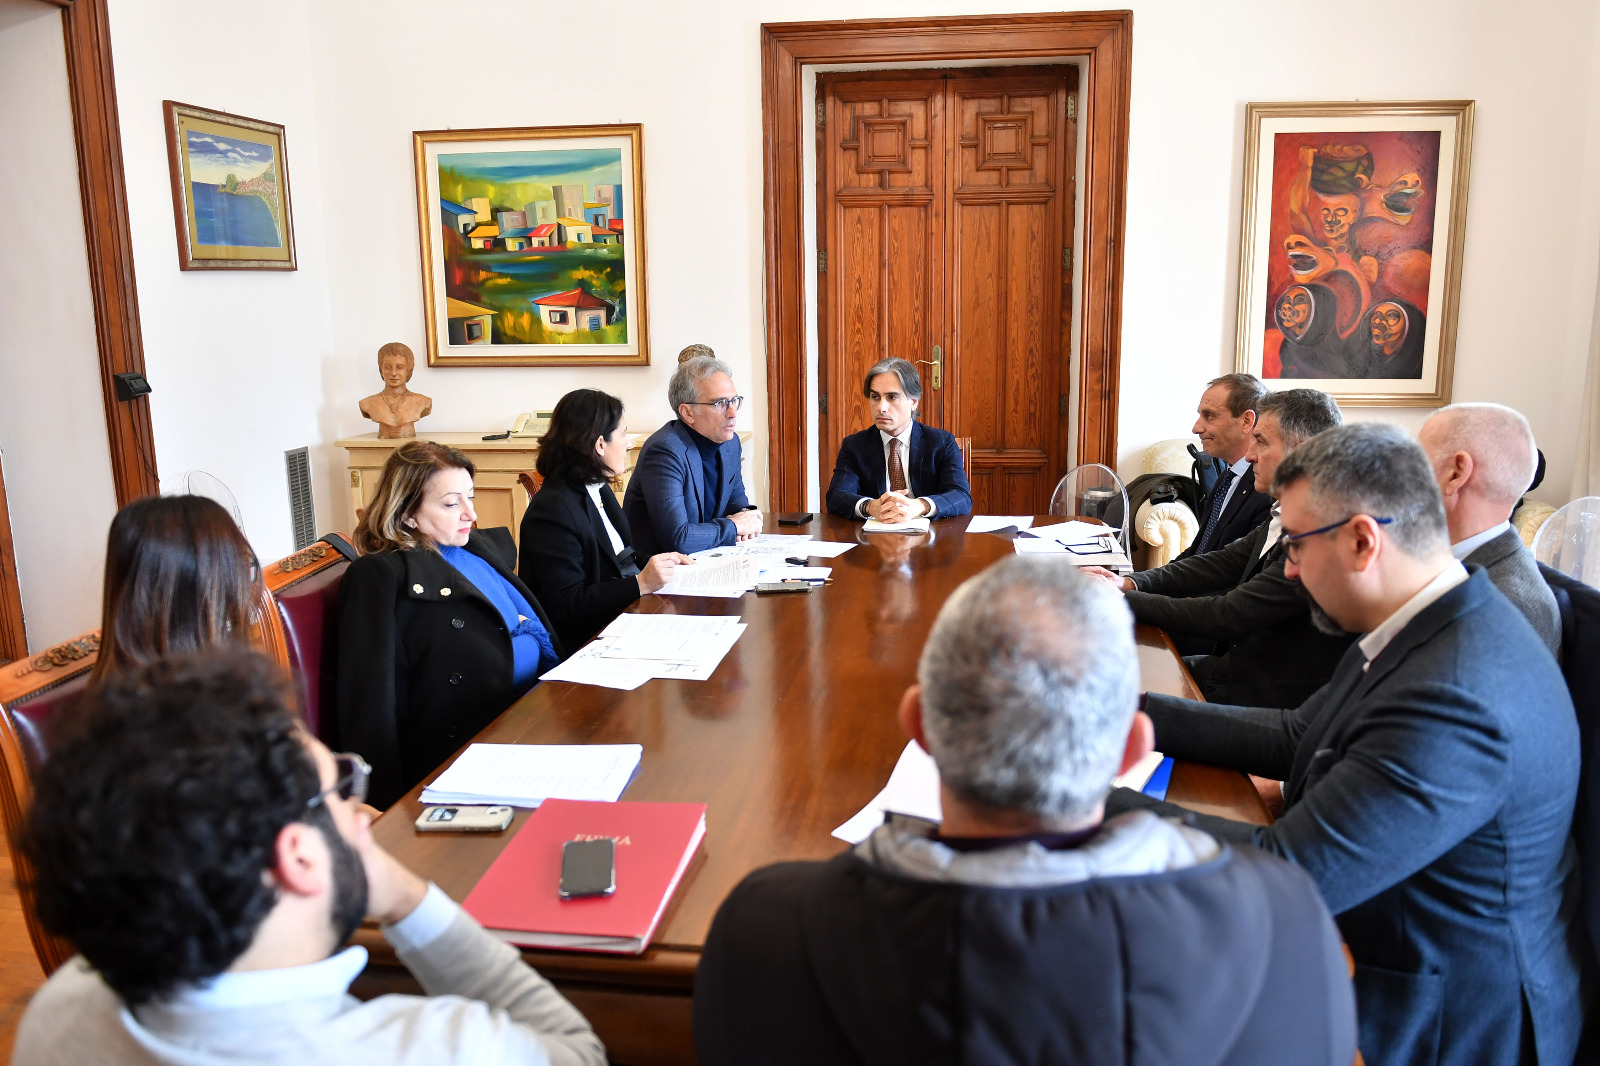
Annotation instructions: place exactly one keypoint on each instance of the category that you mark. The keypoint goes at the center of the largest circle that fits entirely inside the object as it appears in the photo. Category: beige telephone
(531, 424)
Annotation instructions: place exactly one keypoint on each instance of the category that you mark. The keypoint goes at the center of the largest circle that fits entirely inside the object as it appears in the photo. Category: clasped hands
(895, 507)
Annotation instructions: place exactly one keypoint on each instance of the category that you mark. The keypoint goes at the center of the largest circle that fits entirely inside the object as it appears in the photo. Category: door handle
(937, 362)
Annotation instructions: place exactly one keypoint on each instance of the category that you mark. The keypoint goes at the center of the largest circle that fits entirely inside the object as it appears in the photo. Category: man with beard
(1429, 786)
(209, 859)
(1267, 652)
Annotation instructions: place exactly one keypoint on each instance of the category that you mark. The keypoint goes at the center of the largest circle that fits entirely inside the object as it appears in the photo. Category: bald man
(1483, 456)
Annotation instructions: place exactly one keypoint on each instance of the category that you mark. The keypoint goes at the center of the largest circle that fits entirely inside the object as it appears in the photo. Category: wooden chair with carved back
(965, 444)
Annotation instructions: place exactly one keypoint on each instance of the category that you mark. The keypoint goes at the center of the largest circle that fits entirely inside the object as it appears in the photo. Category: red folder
(517, 899)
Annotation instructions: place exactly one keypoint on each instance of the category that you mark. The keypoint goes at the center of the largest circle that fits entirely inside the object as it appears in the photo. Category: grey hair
(1301, 414)
(1245, 392)
(1374, 469)
(1499, 440)
(1029, 682)
(685, 385)
(904, 369)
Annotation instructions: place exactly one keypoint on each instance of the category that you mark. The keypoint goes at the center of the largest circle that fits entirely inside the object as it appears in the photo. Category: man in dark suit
(1025, 927)
(1483, 456)
(1269, 652)
(687, 489)
(1225, 418)
(900, 468)
(1429, 786)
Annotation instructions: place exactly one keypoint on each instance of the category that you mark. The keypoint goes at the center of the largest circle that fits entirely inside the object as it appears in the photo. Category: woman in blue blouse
(437, 635)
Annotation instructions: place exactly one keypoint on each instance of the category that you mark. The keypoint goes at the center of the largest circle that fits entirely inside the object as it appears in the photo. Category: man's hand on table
(747, 524)
(1122, 584)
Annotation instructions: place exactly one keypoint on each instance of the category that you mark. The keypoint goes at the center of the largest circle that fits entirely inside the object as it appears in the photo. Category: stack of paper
(637, 647)
(909, 525)
(723, 577)
(984, 523)
(779, 544)
(525, 775)
(913, 789)
(1082, 543)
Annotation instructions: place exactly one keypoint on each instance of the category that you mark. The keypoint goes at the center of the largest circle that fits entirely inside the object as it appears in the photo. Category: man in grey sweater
(209, 859)
(1483, 457)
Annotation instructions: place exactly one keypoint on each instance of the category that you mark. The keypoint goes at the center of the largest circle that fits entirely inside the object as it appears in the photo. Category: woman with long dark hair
(179, 577)
(437, 635)
(577, 548)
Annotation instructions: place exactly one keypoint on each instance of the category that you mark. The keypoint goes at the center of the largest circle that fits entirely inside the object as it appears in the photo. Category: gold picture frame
(1351, 236)
(533, 245)
(230, 190)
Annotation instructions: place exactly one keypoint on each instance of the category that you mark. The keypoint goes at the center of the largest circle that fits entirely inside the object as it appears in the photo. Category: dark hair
(1301, 414)
(1245, 392)
(904, 369)
(1373, 469)
(399, 494)
(157, 815)
(566, 451)
(179, 577)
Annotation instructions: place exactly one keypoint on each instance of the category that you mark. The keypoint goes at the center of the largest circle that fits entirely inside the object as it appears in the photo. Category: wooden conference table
(792, 735)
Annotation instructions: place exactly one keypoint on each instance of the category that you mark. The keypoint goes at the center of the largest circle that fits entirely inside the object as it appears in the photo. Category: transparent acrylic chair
(1093, 491)
(1563, 542)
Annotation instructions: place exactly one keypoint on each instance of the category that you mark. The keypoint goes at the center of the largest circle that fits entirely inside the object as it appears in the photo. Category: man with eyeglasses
(1429, 786)
(687, 489)
(1264, 648)
(209, 860)
(899, 468)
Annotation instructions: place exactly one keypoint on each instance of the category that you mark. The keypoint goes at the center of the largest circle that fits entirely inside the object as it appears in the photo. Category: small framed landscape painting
(533, 246)
(1350, 252)
(230, 190)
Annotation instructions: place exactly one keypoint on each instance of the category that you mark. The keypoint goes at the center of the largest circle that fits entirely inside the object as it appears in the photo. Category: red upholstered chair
(300, 623)
(34, 695)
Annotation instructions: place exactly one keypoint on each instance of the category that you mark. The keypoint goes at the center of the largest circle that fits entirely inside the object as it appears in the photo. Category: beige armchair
(1165, 529)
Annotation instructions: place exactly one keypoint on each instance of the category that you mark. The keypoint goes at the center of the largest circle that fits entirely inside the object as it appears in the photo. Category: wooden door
(945, 210)
(13, 639)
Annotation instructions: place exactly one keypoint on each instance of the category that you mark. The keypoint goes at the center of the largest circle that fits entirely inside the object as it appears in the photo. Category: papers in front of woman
(795, 544)
(637, 647)
(525, 775)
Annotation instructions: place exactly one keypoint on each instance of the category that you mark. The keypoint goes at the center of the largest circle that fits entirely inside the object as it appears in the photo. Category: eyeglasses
(723, 405)
(351, 784)
(1290, 542)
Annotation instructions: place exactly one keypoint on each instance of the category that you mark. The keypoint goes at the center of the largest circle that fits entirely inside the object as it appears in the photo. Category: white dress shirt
(1238, 473)
(1462, 549)
(904, 437)
(1274, 531)
(1374, 642)
(611, 530)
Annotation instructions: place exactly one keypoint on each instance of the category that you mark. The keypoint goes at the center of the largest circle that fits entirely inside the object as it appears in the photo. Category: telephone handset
(531, 424)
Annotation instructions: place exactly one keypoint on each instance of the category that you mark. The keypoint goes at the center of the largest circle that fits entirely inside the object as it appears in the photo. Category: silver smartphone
(463, 819)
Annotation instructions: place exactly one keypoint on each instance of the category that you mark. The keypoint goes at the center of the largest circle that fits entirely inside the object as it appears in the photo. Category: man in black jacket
(1237, 503)
(1025, 927)
(1429, 786)
(1269, 653)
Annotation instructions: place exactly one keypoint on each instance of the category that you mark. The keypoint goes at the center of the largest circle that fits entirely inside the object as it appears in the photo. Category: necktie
(897, 472)
(1208, 535)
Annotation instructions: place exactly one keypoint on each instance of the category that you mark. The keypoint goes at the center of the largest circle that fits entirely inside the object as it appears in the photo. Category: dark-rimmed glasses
(723, 405)
(1290, 542)
(353, 773)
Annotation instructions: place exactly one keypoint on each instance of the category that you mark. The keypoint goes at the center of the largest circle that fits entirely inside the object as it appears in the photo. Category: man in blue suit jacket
(687, 489)
(1429, 786)
(900, 468)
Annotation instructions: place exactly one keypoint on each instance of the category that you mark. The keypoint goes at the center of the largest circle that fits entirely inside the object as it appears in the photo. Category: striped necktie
(1208, 535)
(897, 471)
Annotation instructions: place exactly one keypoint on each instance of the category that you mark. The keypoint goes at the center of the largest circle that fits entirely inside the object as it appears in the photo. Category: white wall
(353, 83)
(238, 360)
(52, 420)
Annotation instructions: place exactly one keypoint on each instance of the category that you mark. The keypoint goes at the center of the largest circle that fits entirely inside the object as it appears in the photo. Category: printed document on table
(763, 544)
(674, 637)
(910, 525)
(823, 549)
(913, 789)
(525, 775)
(724, 578)
(589, 667)
(1073, 532)
(986, 523)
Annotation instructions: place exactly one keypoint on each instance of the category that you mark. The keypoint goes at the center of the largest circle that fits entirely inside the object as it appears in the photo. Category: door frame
(1103, 39)
(13, 638)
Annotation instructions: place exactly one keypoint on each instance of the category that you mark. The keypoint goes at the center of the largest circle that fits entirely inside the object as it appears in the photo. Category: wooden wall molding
(86, 32)
(1103, 38)
(13, 640)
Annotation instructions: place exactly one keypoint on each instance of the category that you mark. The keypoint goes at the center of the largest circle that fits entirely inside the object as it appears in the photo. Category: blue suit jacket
(936, 472)
(1430, 798)
(665, 502)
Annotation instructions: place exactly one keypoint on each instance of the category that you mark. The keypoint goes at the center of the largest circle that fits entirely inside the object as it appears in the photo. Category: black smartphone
(797, 518)
(588, 868)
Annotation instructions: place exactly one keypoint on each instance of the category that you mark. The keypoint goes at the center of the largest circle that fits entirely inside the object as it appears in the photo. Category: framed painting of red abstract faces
(1350, 252)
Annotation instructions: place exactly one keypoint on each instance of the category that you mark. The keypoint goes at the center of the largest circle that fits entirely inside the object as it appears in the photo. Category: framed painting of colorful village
(533, 246)
(230, 190)
(1350, 249)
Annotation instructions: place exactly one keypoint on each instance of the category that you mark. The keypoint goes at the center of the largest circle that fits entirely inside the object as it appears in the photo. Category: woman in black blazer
(577, 549)
(436, 634)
